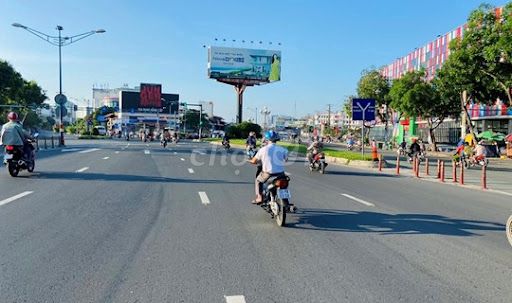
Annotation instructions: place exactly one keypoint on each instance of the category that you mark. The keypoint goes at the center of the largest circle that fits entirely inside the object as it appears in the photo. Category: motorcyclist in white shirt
(272, 158)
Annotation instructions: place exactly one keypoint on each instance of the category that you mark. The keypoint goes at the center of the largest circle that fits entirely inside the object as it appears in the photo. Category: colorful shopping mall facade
(431, 57)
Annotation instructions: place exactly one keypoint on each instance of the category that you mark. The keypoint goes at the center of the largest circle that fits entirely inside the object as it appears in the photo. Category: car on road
(101, 130)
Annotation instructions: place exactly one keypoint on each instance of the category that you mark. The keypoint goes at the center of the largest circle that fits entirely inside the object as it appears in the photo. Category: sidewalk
(499, 180)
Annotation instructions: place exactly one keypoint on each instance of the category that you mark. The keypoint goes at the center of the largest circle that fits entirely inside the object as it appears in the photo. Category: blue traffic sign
(363, 109)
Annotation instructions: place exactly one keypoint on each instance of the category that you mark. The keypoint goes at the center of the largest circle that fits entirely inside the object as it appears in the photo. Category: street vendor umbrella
(491, 136)
(508, 138)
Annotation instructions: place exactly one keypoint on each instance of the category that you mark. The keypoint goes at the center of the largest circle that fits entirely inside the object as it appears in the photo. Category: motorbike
(472, 162)
(401, 151)
(318, 163)
(226, 145)
(251, 152)
(163, 142)
(13, 159)
(419, 155)
(508, 229)
(276, 199)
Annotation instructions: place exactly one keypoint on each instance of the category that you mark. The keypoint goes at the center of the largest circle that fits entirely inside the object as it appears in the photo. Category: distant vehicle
(101, 130)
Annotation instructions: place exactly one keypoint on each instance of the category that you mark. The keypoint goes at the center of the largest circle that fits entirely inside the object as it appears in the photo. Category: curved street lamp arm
(43, 36)
(73, 39)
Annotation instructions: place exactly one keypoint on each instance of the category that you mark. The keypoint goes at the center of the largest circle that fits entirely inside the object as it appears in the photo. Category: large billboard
(150, 95)
(225, 63)
(132, 102)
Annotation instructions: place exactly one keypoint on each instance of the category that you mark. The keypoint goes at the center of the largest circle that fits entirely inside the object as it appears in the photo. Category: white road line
(117, 152)
(147, 152)
(106, 158)
(147, 145)
(175, 153)
(190, 170)
(358, 200)
(9, 200)
(204, 198)
(89, 150)
(81, 169)
(235, 299)
(69, 150)
(182, 159)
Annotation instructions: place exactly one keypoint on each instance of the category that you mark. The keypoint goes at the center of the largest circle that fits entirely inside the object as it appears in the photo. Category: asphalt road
(112, 222)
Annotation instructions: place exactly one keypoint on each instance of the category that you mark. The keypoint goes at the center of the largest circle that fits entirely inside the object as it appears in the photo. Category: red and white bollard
(442, 171)
(417, 167)
(398, 165)
(461, 178)
(380, 162)
(427, 172)
(454, 172)
(438, 169)
(484, 177)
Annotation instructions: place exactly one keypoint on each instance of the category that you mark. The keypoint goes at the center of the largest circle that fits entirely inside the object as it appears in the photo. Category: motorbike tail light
(281, 183)
(9, 147)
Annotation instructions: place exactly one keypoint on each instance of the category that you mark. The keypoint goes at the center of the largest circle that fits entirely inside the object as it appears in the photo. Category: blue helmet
(271, 136)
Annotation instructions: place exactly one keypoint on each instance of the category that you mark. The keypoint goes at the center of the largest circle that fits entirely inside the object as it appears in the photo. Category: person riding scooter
(414, 149)
(14, 134)
(250, 144)
(314, 149)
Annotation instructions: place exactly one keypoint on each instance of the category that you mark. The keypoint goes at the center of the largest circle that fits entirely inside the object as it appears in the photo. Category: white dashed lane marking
(147, 152)
(358, 200)
(106, 158)
(235, 299)
(81, 169)
(190, 170)
(88, 150)
(13, 198)
(204, 198)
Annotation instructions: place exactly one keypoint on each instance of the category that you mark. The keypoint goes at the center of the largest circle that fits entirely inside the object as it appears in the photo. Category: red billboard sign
(150, 95)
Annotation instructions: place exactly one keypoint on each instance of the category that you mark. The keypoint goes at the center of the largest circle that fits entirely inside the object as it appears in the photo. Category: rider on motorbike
(13, 134)
(225, 140)
(479, 153)
(272, 158)
(414, 149)
(314, 149)
(251, 141)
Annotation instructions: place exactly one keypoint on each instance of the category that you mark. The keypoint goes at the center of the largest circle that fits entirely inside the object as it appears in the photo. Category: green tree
(482, 58)
(16, 91)
(192, 119)
(414, 96)
(374, 85)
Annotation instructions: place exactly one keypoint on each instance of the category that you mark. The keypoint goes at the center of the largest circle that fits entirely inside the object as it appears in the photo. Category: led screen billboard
(226, 63)
(131, 102)
(150, 95)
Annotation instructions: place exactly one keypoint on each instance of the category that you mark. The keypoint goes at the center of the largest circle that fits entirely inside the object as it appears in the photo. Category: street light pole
(60, 42)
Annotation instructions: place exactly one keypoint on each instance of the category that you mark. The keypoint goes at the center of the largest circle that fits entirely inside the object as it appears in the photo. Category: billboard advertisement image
(132, 102)
(150, 95)
(226, 63)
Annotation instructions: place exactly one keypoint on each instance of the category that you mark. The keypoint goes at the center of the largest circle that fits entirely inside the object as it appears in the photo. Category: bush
(243, 129)
(71, 129)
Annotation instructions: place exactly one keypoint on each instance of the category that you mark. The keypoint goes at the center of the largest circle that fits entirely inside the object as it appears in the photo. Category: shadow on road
(388, 224)
(124, 178)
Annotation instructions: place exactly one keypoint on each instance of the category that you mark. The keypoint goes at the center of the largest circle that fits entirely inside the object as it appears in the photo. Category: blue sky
(325, 44)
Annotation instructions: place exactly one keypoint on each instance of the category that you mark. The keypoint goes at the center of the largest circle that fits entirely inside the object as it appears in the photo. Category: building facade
(431, 57)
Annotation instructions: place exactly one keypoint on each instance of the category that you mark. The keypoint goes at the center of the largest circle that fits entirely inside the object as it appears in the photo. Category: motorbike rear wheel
(322, 168)
(281, 216)
(508, 229)
(31, 166)
(13, 168)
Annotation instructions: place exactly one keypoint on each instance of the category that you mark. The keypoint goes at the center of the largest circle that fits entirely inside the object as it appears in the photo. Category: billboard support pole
(240, 88)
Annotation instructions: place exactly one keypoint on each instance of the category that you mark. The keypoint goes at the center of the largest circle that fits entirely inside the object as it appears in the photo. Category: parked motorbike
(276, 199)
(508, 229)
(318, 163)
(15, 161)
